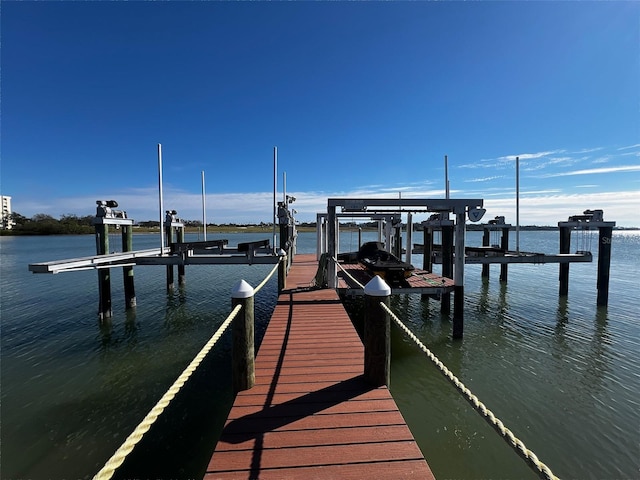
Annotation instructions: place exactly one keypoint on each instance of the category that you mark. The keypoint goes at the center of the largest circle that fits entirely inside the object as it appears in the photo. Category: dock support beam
(243, 350)
(427, 263)
(458, 307)
(127, 272)
(377, 333)
(565, 247)
(447, 265)
(604, 263)
(282, 272)
(169, 238)
(104, 275)
(182, 278)
(332, 241)
(504, 245)
(486, 241)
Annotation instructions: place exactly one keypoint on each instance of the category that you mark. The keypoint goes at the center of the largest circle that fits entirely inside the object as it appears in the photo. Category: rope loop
(543, 470)
(132, 440)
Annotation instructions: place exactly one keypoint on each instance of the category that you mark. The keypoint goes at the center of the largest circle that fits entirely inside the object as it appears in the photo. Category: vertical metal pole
(446, 177)
(409, 237)
(204, 209)
(518, 205)
(275, 187)
(604, 262)
(331, 246)
(161, 201)
(458, 306)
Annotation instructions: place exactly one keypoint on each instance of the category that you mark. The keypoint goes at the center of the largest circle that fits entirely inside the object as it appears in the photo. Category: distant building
(5, 215)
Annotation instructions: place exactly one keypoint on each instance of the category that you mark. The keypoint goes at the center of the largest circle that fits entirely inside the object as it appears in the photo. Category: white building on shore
(5, 214)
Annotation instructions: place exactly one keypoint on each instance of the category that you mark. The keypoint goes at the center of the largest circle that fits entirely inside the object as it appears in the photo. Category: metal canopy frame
(370, 206)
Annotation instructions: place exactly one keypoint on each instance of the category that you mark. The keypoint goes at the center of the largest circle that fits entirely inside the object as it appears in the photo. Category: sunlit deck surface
(311, 414)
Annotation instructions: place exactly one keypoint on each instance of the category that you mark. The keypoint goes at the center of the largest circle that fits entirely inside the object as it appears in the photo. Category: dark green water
(563, 375)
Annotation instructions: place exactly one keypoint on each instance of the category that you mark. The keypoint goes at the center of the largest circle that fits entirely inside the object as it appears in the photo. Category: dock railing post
(169, 240)
(243, 351)
(282, 271)
(377, 333)
(127, 272)
(458, 307)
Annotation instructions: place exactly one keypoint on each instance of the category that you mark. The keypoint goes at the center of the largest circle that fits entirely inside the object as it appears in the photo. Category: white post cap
(377, 287)
(242, 290)
(281, 253)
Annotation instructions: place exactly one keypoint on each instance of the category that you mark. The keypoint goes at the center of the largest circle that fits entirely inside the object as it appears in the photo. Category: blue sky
(362, 99)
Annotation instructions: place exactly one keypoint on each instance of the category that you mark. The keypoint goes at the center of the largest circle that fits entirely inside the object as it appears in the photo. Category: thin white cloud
(484, 179)
(591, 171)
(637, 145)
(530, 156)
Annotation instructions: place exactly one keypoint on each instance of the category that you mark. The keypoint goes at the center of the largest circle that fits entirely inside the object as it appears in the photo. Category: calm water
(562, 374)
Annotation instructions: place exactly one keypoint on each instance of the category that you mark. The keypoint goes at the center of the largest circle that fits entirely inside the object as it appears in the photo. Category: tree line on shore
(70, 224)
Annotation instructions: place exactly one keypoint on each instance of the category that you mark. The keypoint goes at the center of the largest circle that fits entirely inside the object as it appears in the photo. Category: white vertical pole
(204, 209)
(160, 199)
(409, 237)
(518, 205)
(446, 177)
(275, 187)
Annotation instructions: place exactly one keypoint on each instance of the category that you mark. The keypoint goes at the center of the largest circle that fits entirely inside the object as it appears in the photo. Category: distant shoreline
(268, 230)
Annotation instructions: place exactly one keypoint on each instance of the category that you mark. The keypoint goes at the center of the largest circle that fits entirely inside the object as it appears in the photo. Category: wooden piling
(169, 239)
(486, 241)
(377, 333)
(427, 261)
(104, 275)
(458, 306)
(182, 278)
(127, 272)
(504, 245)
(447, 265)
(565, 247)
(243, 350)
(282, 274)
(604, 263)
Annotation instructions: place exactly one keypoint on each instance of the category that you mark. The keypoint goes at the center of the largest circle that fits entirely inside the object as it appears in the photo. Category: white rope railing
(264, 282)
(347, 273)
(132, 440)
(543, 470)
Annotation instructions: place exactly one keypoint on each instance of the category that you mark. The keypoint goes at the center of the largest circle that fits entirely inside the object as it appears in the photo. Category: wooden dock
(311, 414)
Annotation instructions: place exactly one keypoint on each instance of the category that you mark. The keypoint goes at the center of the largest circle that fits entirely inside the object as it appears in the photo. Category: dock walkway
(311, 414)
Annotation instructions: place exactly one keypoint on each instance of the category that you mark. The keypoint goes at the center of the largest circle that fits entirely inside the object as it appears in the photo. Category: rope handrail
(134, 438)
(264, 282)
(543, 470)
(347, 273)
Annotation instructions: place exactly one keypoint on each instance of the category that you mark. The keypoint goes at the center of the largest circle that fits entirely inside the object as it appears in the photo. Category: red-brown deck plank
(310, 414)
